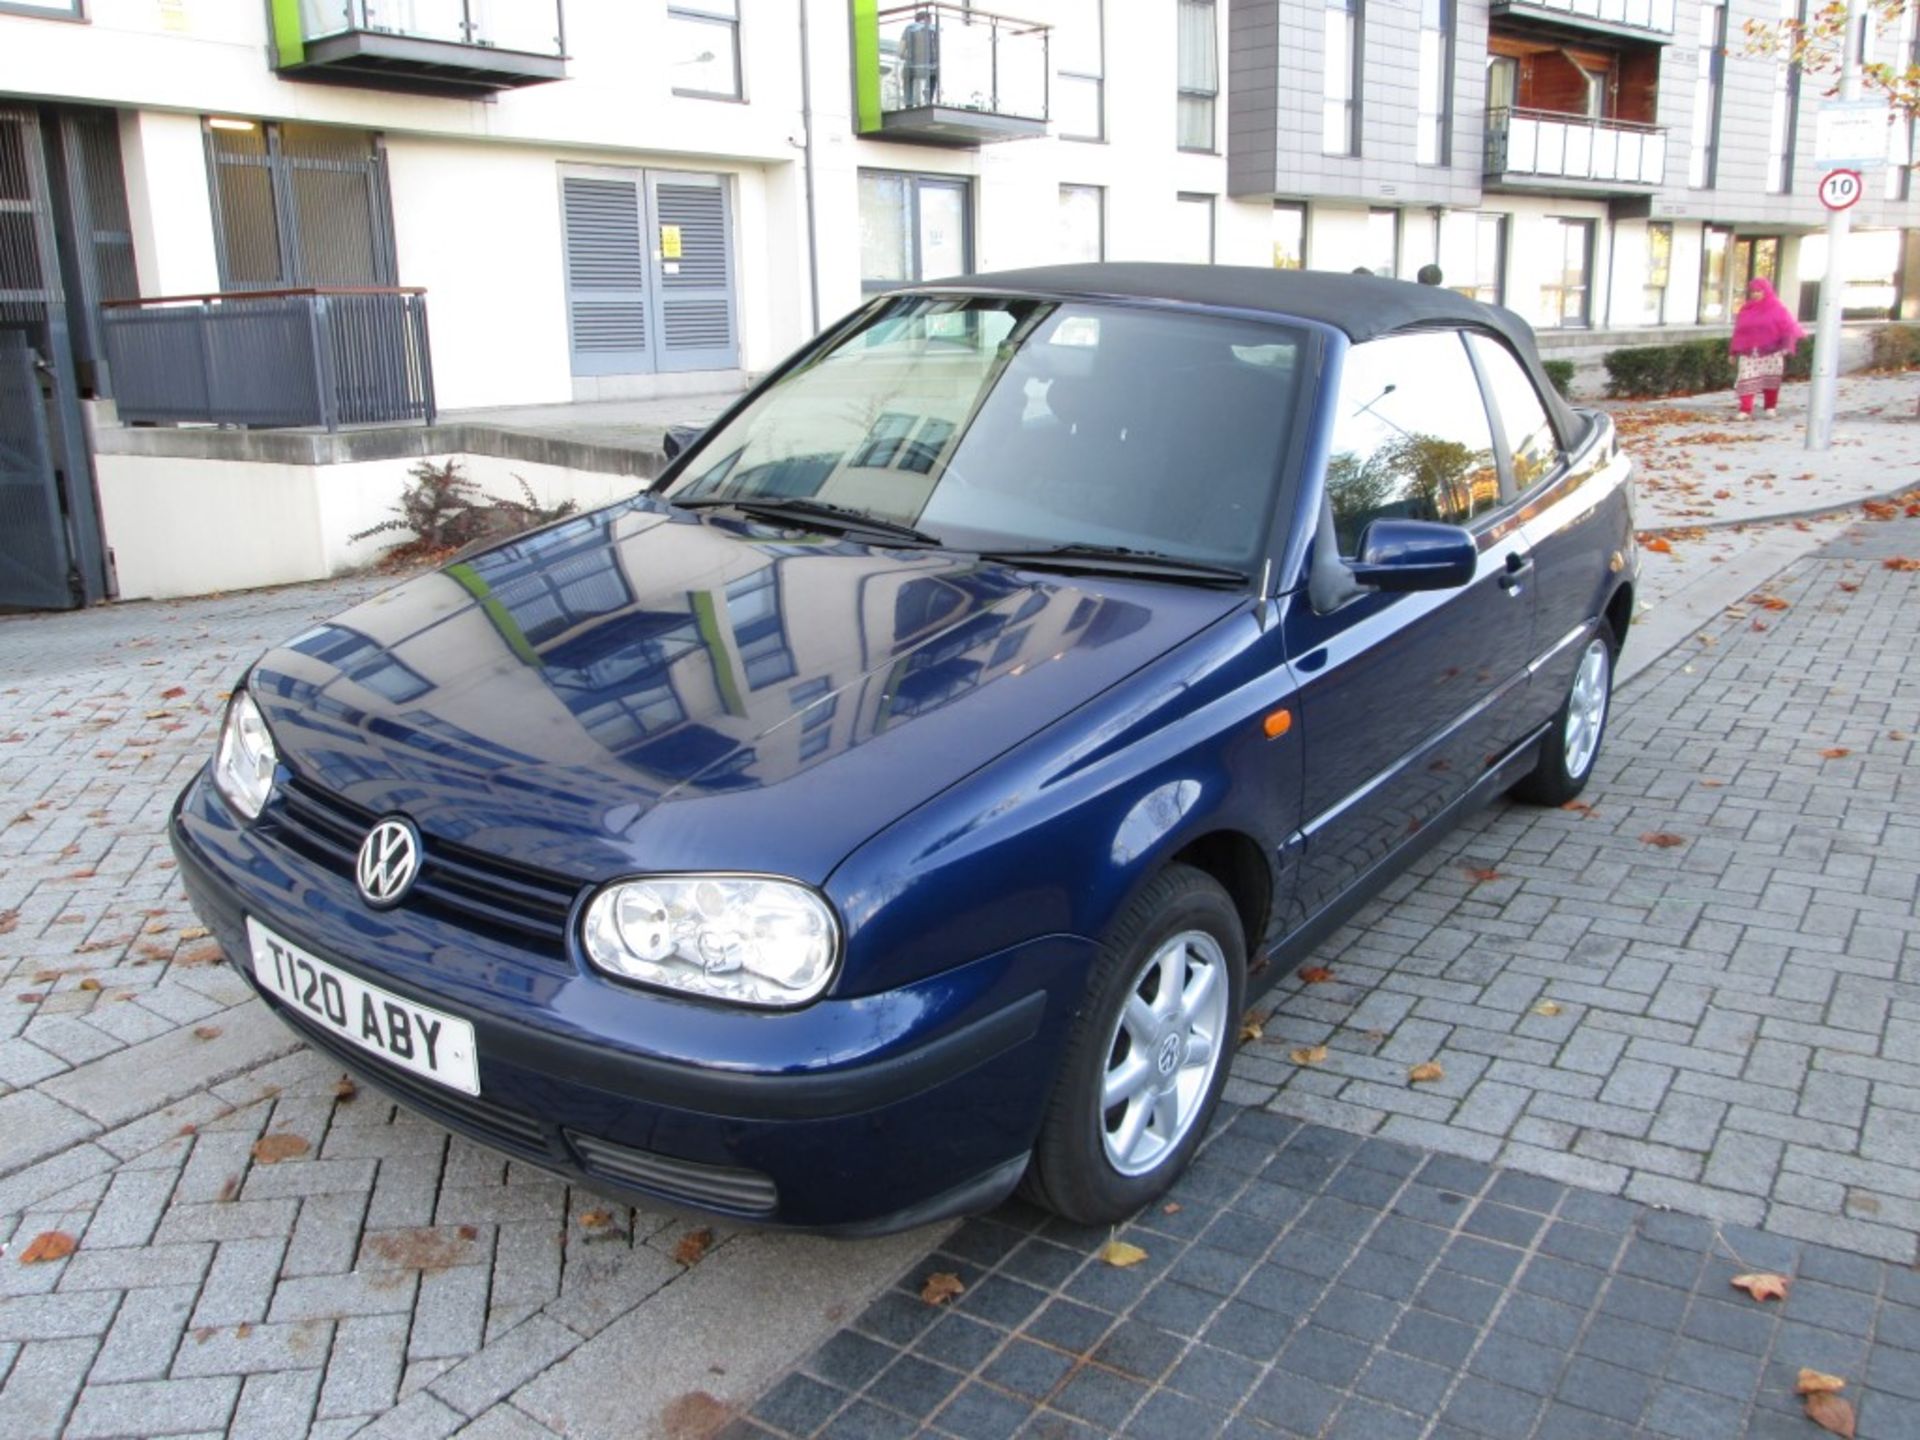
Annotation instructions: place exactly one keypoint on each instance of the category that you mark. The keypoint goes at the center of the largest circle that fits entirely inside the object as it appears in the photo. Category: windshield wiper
(798, 507)
(1120, 560)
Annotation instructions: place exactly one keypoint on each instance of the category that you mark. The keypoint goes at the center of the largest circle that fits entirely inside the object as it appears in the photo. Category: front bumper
(856, 1116)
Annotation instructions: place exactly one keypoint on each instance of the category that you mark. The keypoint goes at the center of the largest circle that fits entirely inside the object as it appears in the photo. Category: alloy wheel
(1163, 1052)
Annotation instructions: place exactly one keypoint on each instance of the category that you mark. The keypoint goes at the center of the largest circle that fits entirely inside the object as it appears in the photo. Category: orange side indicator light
(1277, 723)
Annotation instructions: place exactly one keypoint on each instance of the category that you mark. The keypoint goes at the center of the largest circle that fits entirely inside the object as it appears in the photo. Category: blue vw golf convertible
(899, 802)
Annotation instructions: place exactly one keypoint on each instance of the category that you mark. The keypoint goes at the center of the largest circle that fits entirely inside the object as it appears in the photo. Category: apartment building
(340, 212)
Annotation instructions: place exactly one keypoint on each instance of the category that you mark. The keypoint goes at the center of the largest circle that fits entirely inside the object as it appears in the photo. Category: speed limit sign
(1840, 189)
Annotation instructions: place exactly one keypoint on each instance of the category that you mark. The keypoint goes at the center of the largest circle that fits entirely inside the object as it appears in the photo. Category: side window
(1410, 437)
(1530, 438)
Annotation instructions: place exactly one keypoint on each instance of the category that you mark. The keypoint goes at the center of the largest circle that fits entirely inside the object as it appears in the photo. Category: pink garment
(1764, 326)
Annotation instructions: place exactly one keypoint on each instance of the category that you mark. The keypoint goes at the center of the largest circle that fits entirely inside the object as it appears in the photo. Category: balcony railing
(1540, 145)
(465, 47)
(327, 357)
(1655, 16)
(957, 76)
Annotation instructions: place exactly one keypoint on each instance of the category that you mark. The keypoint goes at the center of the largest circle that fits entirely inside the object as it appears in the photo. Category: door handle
(1512, 579)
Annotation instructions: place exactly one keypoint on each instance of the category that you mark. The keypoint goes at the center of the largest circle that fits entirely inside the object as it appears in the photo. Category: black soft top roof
(1360, 306)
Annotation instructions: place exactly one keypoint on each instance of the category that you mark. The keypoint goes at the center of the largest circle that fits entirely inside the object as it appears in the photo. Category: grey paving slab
(1464, 1300)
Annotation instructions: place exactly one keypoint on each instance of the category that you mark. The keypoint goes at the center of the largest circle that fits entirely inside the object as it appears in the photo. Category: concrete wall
(182, 526)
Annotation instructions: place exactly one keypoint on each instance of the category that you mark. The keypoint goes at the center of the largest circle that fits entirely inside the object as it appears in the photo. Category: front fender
(1058, 835)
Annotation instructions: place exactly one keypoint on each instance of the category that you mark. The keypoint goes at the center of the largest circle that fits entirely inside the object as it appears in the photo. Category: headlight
(741, 938)
(243, 766)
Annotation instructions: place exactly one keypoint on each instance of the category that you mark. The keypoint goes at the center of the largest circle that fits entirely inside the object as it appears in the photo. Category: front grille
(718, 1187)
(498, 1124)
(464, 886)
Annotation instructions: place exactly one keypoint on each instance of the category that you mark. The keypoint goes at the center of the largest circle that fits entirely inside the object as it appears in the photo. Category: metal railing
(963, 59)
(1574, 147)
(311, 356)
(1654, 15)
(532, 27)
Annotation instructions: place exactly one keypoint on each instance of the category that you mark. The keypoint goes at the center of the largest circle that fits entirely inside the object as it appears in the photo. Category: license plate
(427, 1042)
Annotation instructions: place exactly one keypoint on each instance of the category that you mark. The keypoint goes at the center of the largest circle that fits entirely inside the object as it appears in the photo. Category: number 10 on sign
(1840, 189)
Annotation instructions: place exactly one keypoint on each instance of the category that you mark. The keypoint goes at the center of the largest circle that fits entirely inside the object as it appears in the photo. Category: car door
(1406, 698)
(1567, 515)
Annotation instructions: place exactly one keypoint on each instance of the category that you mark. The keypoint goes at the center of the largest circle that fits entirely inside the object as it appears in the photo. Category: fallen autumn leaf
(1315, 975)
(1663, 839)
(1308, 1054)
(1426, 1070)
(281, 1145)
(941, 1287)
(693, 1246)
(47, 1245)
(1762, 1285)
(1816, 1382)
(1119, 1254)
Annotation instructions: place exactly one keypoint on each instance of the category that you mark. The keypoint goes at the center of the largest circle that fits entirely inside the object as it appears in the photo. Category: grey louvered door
(607, 282)
(693, 291)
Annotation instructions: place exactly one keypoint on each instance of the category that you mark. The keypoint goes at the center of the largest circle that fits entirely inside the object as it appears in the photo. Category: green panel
(289, 42)
(866, 65)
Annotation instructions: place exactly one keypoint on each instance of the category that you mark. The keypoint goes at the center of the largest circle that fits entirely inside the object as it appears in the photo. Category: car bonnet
(642, 688)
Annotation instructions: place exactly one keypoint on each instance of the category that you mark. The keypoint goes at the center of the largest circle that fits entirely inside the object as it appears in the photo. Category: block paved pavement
(1734, 1039)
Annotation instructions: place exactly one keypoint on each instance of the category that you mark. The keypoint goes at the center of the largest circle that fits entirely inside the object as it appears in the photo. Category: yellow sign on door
(669, 242)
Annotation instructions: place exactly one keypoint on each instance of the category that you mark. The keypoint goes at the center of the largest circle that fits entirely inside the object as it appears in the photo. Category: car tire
(1134, 1097)
(1571, 746)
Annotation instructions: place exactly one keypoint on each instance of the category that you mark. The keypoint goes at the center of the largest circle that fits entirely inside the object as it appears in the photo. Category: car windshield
(1001, 423)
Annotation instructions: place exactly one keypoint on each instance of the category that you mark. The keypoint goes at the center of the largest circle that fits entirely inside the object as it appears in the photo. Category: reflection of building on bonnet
(920, 59)
(1764, 335)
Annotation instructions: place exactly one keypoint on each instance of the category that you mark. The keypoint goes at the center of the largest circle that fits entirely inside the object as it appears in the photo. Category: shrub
(1560, 374)
(444, 510)
(1687, 369)
(1896, 347)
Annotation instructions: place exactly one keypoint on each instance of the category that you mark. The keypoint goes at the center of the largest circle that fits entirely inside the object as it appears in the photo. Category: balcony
(328, 357)
(1540, 149)
(465, 48)
(944, 75)
(1636, 19)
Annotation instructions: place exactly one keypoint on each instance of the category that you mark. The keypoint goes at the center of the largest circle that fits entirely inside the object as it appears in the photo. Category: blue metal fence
(311, 356)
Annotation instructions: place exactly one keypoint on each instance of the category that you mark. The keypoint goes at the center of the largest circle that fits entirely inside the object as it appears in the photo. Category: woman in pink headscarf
(1764, 334)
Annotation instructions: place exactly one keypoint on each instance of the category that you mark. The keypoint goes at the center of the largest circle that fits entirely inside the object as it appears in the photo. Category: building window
(1716, 247)
(1382, 253)
(913, 228)
(1199, 74)
(1653, 304)
(1289, 236)
(1083, 224)
(49, 9)
(1193, 229)
(703, 48)
(1079, 49)
(1433, 123)
(1489, 259)
(299, 205)
(1565, 296)
(1703, 158)
(1784, 115)
(1340, 105)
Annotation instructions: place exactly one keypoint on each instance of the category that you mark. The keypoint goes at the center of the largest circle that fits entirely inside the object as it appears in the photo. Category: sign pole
(1824, 398)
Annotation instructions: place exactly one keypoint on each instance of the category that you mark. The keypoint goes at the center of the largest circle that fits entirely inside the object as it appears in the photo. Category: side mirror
(680, 438)
(1399, 555)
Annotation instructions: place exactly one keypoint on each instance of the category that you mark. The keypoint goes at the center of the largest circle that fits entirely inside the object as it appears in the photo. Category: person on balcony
(920, 59)
(1764, 335)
